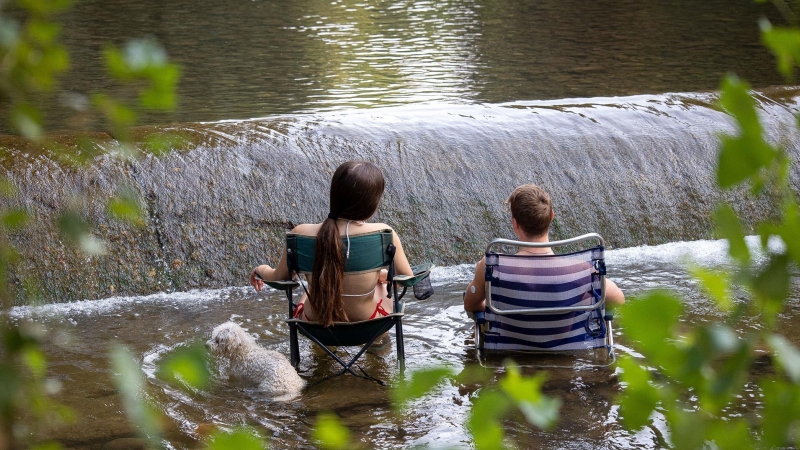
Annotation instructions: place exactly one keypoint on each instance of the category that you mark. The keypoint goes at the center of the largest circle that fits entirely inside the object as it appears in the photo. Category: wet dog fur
(253, 365)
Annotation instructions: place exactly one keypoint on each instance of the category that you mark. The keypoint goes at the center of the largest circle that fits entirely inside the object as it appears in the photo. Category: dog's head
(228, 340)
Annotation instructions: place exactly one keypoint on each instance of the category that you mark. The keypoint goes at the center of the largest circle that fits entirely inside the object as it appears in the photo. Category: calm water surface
(437, 332)
(257, 58)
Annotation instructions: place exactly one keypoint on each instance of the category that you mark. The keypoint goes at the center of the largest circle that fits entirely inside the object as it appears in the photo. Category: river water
(443, 91)
(437, 332)
(257, 58)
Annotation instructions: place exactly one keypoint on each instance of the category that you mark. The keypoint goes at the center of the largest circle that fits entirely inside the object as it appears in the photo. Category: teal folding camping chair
(545, 303)
(368, 252)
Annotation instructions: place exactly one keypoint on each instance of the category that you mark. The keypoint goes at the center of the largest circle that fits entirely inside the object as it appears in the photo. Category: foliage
(693, 376)
(513, 393)
(31, 59)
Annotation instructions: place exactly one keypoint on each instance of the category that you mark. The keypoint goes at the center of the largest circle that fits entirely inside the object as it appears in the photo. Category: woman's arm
(401, 265)
(475, 298)
(267, 273)
(281, 271)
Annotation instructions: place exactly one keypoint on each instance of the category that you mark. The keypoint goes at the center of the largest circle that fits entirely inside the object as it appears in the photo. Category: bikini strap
(379, 309)
(361, 295)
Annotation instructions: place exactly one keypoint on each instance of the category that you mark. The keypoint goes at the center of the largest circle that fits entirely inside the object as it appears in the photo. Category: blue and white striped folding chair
(545, 303)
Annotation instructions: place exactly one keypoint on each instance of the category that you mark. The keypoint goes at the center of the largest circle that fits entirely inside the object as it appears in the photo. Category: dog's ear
(234, 340)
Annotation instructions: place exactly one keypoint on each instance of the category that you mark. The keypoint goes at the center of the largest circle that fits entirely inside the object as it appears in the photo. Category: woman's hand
(256, 279)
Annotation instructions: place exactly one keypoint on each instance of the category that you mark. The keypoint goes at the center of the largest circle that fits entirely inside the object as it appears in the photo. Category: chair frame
(480, 317)
(337, 334)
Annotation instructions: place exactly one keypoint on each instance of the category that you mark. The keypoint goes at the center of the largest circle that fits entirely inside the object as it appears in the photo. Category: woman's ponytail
(327, 275)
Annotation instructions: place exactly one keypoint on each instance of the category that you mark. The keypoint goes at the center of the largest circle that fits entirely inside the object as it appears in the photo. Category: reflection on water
(437, 332)
(258, 58)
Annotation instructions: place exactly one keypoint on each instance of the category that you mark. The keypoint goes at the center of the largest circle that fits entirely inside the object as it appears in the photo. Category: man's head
(532, 210)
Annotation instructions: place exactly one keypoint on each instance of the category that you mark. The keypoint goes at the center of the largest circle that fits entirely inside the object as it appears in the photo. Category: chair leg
(294, 347)
(401, 351)
(610, 341)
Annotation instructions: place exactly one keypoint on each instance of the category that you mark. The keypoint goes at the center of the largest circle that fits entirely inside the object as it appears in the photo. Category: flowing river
(607, 104)
(437, 332)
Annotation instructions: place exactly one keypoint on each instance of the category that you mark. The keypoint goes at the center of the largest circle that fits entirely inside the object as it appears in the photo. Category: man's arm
(475, 299)
(614, 295)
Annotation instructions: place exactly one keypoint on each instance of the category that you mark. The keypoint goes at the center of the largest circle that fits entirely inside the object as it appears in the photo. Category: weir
(638, 170)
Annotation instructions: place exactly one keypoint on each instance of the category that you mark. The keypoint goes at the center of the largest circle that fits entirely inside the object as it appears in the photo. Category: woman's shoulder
(377, 226)
(307, 229)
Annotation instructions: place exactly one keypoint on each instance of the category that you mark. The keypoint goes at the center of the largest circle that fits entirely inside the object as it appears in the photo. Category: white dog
(254, 365)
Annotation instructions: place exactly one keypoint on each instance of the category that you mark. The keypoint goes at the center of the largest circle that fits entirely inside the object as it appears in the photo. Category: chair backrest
(368, 252)
(545, 302)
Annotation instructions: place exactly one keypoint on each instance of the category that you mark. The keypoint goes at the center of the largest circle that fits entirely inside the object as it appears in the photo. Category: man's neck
(539, 239)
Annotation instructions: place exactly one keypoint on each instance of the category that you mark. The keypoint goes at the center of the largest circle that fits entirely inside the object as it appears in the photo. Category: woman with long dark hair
(356, 190)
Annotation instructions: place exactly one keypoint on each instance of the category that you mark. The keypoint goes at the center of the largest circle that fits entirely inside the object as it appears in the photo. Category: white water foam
(711, 253)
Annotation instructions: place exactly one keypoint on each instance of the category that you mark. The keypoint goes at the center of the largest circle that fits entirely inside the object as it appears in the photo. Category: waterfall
(638, 170)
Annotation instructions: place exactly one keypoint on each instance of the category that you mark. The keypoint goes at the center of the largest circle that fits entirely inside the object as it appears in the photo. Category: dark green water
(247, 59)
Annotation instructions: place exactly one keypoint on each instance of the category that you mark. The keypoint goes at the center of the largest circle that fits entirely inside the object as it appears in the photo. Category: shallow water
(437, 332)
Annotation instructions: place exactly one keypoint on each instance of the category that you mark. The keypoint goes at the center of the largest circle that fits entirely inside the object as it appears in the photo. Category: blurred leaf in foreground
(329, 433)
(129, 383)
(187, 365)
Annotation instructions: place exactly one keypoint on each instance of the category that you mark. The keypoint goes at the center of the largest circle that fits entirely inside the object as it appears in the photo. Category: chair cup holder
(423, 288)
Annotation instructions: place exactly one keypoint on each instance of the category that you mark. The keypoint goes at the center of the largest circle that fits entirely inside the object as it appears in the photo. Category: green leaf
(76, 231)
(27, 120)
(187, 365)
(330, 433)
(129, 383)
(733, 435)
(716, 284)
(652, 321)
(484, 420)
(115, 63)
(639, 397)
(789, 230)
(543, 414)
(161, 93)
(784, 43)
(687, 427)
(35, 360)
(771, 285)
(786, 355)
(743, 156)
(728, 227)
(526, 392)
(126, 207)
(781, 414)
(241, 439)
(43, 31)
(421, 382)
(120, 115)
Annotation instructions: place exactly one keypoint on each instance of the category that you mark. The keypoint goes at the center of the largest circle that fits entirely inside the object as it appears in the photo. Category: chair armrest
(282, 285)
(478, 316)
(420, 271)
(410, 280)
